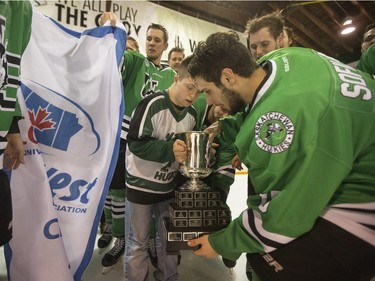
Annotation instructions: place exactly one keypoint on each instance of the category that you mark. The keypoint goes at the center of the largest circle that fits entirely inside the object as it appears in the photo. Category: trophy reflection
(198, 209)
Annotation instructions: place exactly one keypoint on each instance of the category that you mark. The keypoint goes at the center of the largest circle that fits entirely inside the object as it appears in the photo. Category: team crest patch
(274, 132)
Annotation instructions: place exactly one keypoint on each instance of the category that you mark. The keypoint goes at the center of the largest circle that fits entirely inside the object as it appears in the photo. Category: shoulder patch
(274, 132)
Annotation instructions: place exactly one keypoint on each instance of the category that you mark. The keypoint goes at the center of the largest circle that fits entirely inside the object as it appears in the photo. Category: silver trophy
(197, 209)
(198, 159)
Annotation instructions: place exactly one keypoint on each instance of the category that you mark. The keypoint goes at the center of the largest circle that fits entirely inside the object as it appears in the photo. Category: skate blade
(102, 250)
(107, 269)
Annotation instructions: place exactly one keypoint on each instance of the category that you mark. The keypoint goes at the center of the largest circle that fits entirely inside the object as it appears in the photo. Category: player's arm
(223, 171)
(230, 126)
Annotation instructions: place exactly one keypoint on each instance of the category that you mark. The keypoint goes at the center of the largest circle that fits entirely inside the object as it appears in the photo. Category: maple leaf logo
(40, 122)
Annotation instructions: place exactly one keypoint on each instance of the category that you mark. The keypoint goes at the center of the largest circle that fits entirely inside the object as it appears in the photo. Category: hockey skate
(106, 238)
(116, 266)
(114, 255)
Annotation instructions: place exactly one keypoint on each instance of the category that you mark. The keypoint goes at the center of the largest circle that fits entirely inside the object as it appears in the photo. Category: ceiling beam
(325, 28)
(363, 11)
(326, 49)
(333, 16)
(331, 13)
(209, 11)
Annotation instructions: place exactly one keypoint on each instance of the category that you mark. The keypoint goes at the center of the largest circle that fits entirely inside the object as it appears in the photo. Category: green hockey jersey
(151, 169)
(15, 23)
(141, 78)
(308, 143)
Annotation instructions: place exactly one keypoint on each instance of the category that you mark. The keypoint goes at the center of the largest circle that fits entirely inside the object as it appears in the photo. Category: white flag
(72, 100)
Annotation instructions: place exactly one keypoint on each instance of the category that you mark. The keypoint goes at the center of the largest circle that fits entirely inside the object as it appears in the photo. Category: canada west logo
(58, 122)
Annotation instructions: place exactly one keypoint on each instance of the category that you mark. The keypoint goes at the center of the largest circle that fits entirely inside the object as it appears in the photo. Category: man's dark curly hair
(221, 50)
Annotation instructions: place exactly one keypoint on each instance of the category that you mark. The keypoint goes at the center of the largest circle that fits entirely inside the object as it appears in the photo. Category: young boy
(152, 172)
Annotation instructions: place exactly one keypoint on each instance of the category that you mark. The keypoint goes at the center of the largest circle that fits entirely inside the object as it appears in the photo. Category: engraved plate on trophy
(189, 235)
(175, 236)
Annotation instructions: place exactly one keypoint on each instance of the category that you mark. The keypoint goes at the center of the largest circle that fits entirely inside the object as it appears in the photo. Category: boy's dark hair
(177, 50)
(160, 27)
(221, 50)
(183, 70)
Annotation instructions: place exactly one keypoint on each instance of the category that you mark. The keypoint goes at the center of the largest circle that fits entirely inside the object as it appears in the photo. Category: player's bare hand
(205, 248)
(13, 154)
(213, 130)
(180, 151)
(236, 163)
(213, 149)
(108, 16)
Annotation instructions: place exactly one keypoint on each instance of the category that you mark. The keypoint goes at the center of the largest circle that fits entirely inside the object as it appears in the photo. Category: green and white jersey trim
(354, 218)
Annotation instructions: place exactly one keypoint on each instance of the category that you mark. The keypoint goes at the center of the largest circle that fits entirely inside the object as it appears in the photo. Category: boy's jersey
(15, 24)
(308, 143)
(151, 168)
(222, 176)
(141, 78)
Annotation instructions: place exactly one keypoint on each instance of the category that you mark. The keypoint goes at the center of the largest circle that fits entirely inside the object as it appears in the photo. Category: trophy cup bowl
(197, 163)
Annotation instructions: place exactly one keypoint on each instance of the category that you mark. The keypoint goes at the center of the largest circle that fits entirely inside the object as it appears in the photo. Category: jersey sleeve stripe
(254, 226)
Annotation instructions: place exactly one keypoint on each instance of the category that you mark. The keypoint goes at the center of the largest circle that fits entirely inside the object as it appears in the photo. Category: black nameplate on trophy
(177, 237)
(194, 214)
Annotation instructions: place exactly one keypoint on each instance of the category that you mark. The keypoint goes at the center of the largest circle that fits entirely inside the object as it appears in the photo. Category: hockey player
(15, 23)
(310, 215)
(175, 57)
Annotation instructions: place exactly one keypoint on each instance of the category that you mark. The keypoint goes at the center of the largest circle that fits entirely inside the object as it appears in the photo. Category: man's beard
(232, 100)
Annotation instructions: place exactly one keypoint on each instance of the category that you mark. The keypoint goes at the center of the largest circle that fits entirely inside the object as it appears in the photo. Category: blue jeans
(137, 229)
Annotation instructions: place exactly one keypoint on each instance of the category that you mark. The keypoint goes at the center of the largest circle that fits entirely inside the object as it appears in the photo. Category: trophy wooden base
(194, 214)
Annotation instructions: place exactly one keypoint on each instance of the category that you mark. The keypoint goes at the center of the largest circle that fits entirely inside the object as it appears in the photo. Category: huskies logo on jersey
(274, 132)
(56, 120)
(149, 86)
(166, 167)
